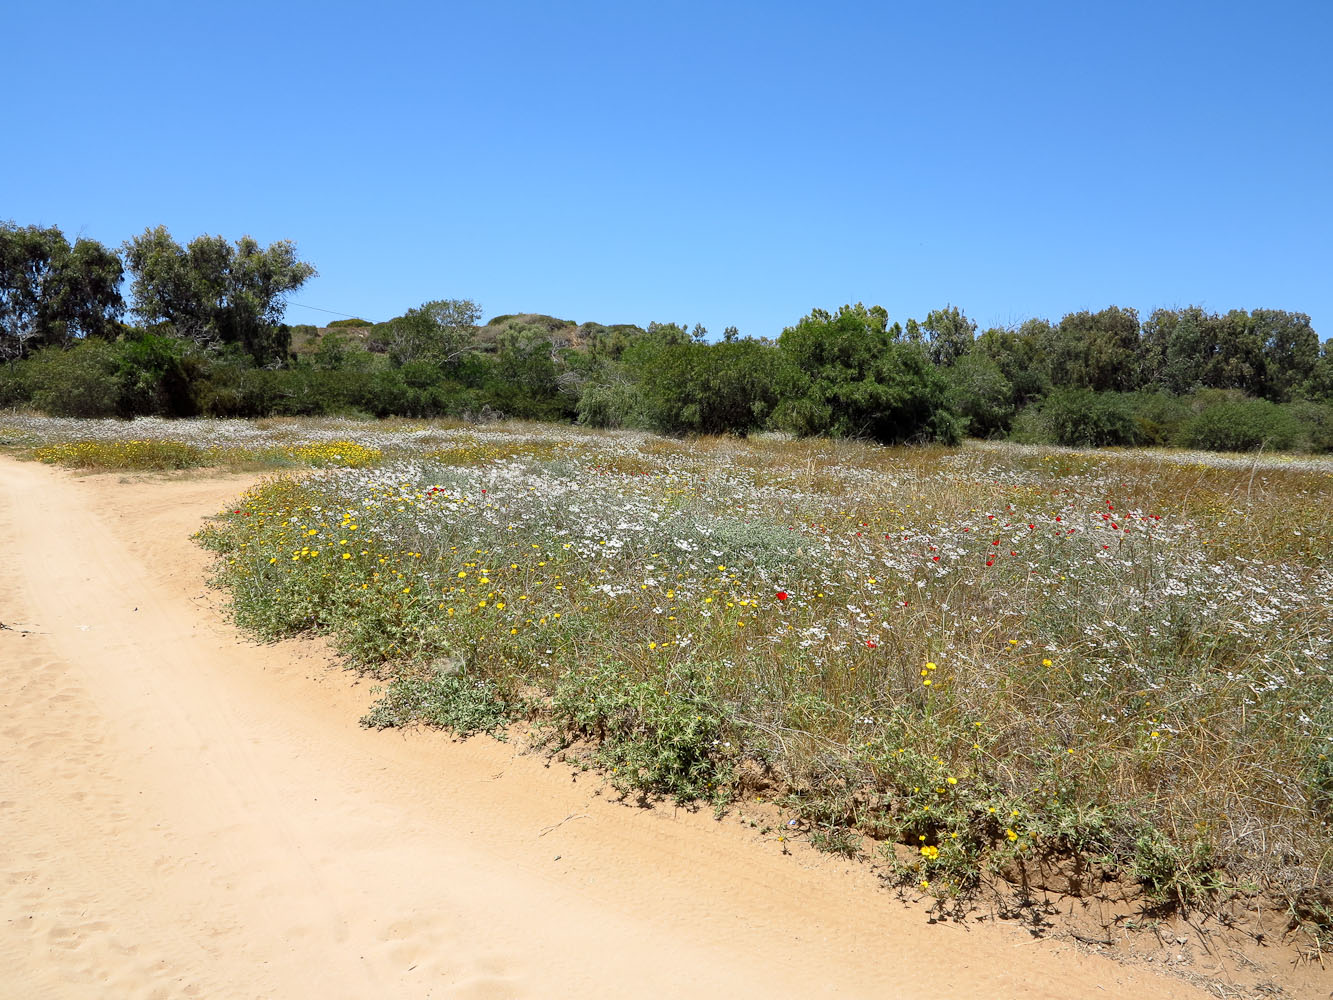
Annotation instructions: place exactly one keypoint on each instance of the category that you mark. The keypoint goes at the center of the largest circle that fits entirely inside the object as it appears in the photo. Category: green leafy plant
(444, 697)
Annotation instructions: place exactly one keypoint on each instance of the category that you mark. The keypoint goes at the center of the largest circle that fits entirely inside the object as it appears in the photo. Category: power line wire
(333, 312)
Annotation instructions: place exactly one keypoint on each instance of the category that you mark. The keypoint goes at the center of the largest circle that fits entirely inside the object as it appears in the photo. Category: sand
(186, 813)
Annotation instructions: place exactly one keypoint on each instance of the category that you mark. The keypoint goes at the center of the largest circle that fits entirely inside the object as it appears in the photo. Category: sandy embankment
(183, 813)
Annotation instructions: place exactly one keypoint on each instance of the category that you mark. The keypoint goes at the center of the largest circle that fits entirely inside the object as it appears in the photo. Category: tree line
(207, 337)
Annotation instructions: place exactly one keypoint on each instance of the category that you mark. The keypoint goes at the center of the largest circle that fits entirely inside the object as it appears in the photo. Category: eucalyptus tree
(216, 292)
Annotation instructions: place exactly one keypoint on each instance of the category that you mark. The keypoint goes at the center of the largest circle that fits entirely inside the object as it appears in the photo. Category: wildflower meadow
(950, 657)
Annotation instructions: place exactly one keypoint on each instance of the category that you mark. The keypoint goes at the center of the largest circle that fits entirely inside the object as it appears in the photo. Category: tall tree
(1178, 349)
(1290, 348)
(951, 335)
(51, 292)
(844, 376)
(1238, 362)
(87, 293)
(215, 292)
(441, 332)
(1061, 349)
(1017, 353)
(1105, 345)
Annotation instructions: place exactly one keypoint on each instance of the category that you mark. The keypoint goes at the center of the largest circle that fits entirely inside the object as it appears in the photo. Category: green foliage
(151, 455)
(443, 697)
(440, 332)
(79, 382)
(662, 735)
(51, 293)
(1082, 417)
(1101, 349)
(336, 351)
(1017, 354)
(1290, 352)
(771, 548)
(13, 388)
(845, 377)
(950, 335)
(157, 373)
(609, 397)
(839, 840)
(525, 377)
(548, 323)
(215, 346)
(692, 387)
(1316, 420)
(1318, 771)
(1232, 424)
(214, 292)
(981, 395)
(1158, 417)
(608, 342)
(1175, 873)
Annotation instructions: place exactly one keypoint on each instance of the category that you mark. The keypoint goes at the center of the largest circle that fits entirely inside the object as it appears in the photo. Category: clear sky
(723, 163)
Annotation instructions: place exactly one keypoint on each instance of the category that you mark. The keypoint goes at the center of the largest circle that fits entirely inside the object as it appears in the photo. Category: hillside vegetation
(209, 340)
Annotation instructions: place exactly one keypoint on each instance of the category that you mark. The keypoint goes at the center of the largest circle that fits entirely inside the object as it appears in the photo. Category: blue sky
(700, 162)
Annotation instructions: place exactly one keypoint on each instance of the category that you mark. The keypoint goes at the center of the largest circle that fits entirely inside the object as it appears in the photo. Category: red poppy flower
(782, 595)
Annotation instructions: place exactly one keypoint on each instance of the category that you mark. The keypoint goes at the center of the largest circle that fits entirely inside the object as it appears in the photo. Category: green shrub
(1241, 425)
(662, 735)
(79, 382)
(1319, 767)
(981, 395)
(695, 388)
(1157, 417)
(156, 372)
(610, 398)
(1316, 420)
(844, 376)
(14, 390)
(1174, 873)
(444, 698)
(1080, 417)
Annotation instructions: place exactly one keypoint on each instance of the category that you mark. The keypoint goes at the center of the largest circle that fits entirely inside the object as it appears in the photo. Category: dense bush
(1242, 425)
(849, 374)
(608, 398)
(697, 388)
(1316, 422)
(81, 382)
(981, 395)
(157, 374)
(844, 376)
(1083, 417)
(1158, 417)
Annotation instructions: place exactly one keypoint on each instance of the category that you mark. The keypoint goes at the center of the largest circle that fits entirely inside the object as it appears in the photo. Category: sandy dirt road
(184, 813)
